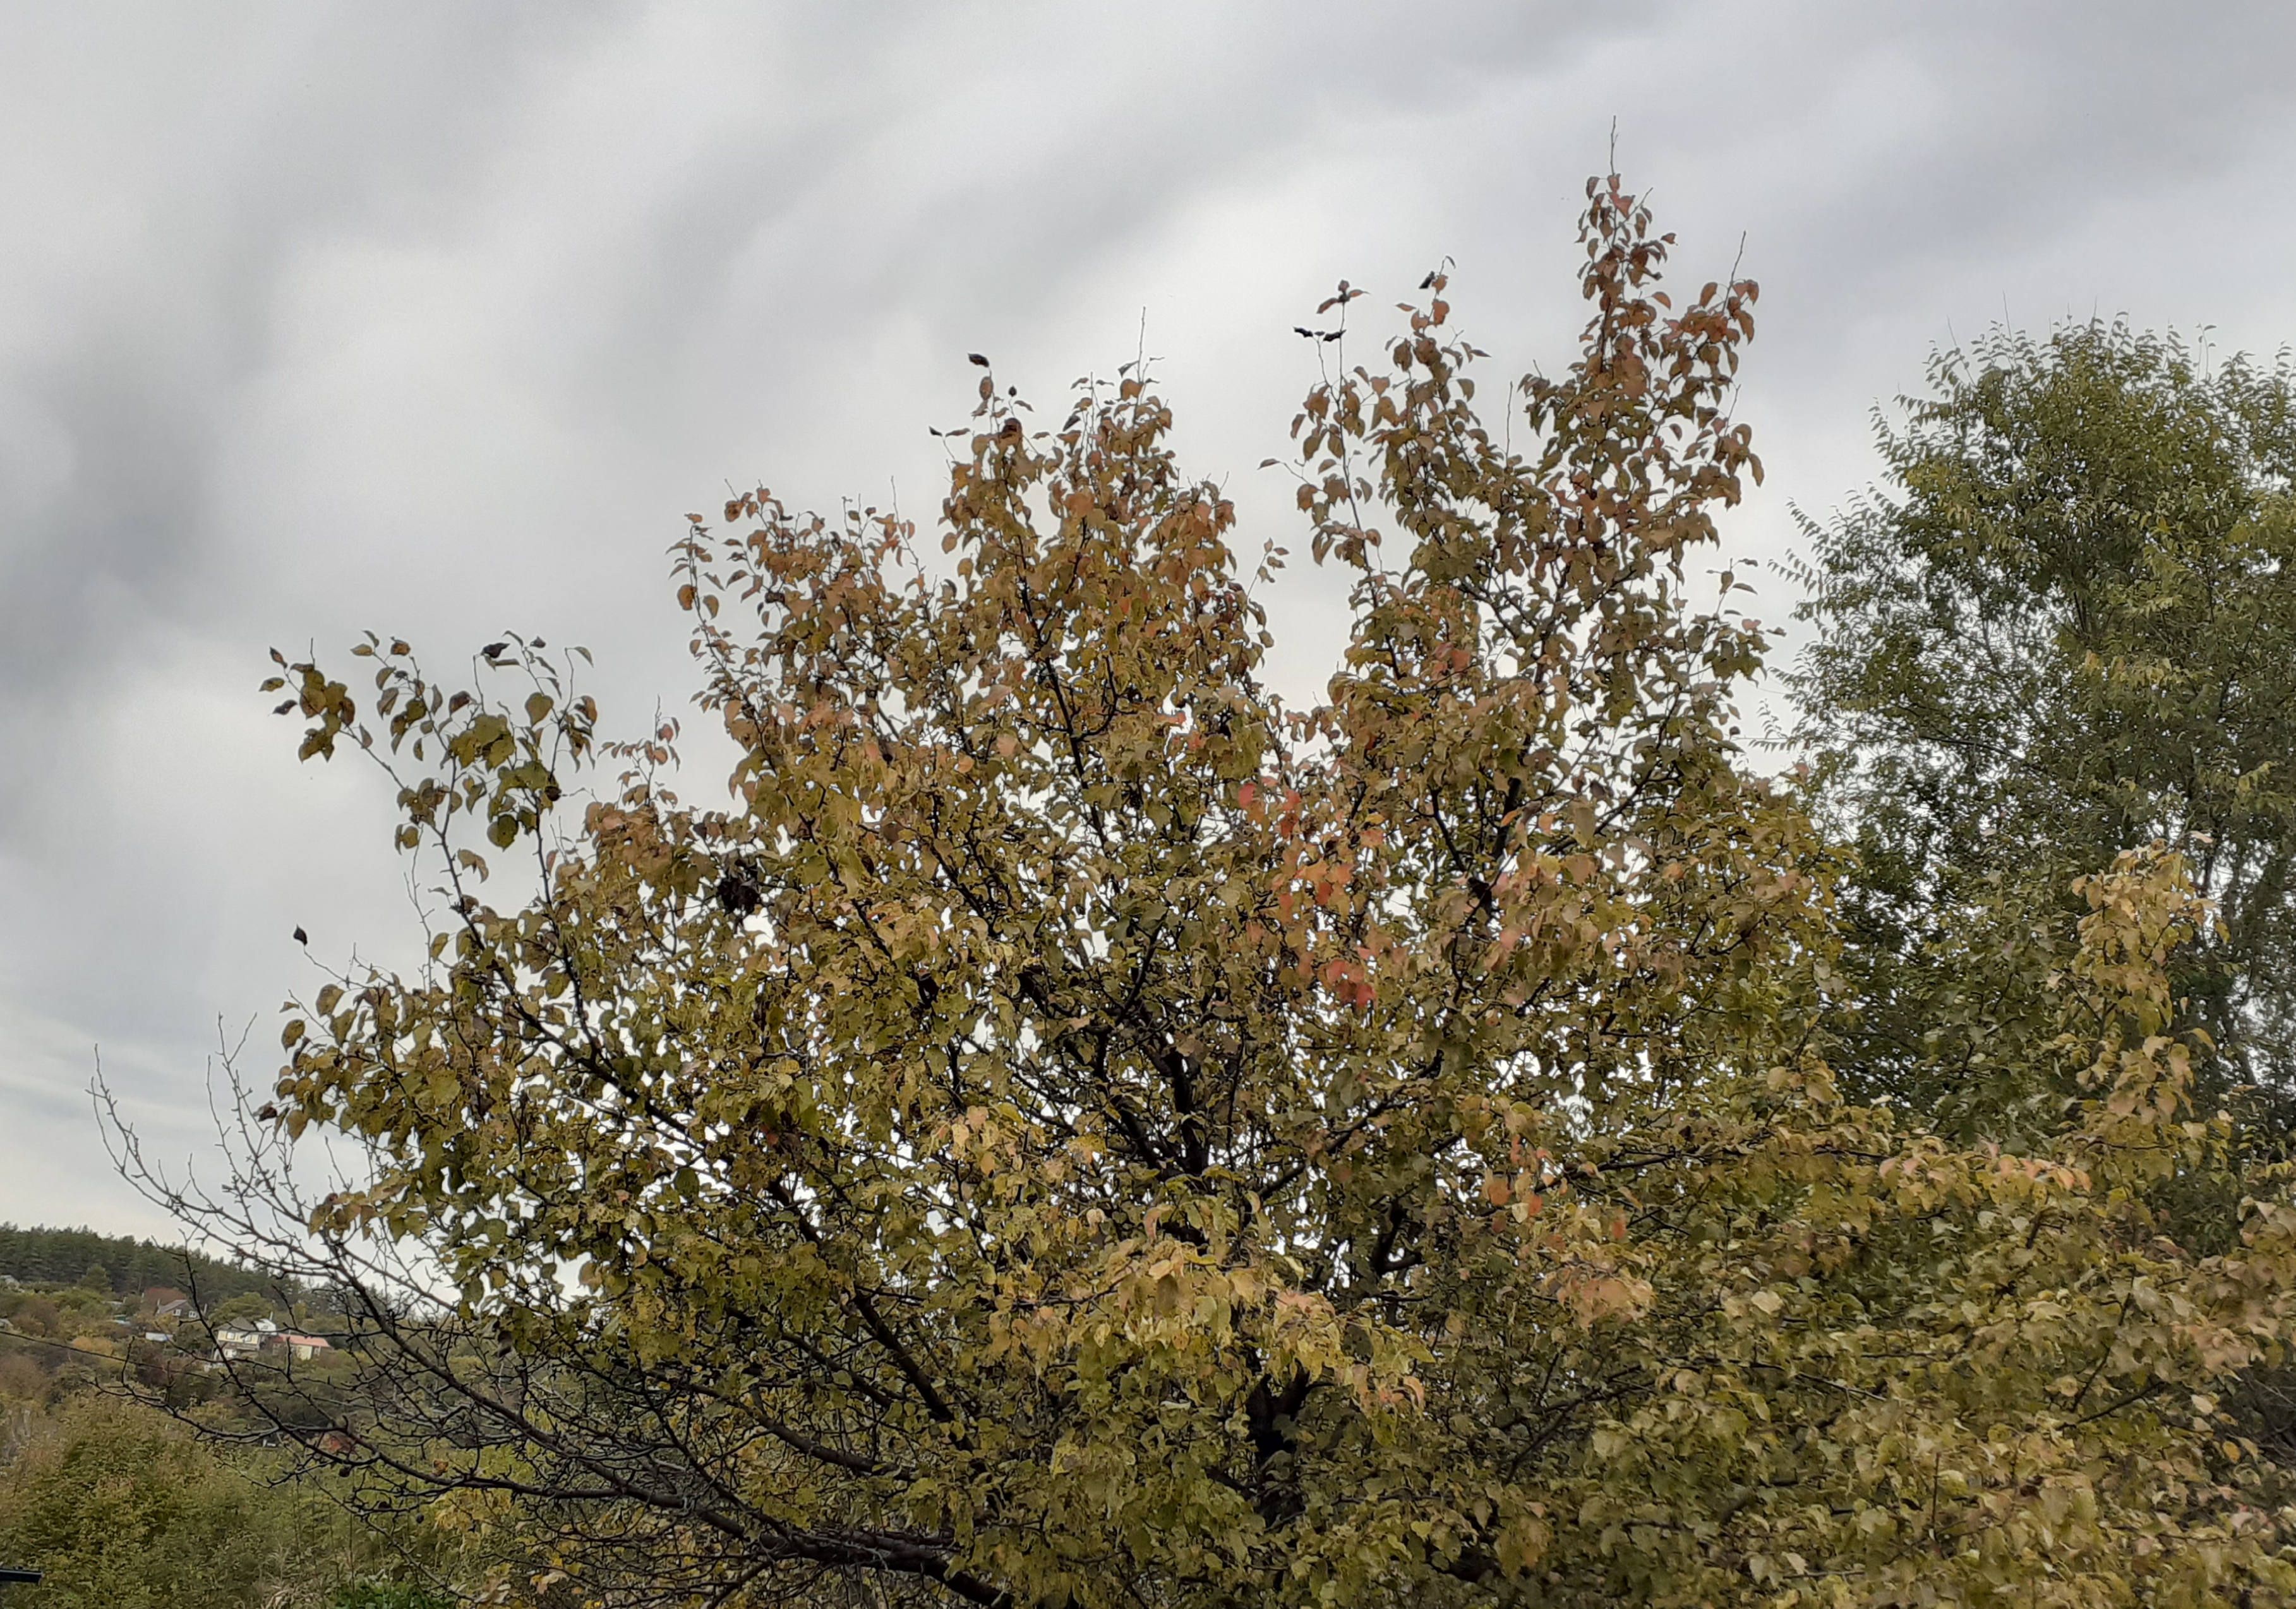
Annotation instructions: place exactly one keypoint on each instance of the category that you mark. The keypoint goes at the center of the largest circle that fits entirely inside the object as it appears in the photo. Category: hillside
(39, 1255)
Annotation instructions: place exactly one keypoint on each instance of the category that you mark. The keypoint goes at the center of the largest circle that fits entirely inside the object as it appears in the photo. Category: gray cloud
(438, 319)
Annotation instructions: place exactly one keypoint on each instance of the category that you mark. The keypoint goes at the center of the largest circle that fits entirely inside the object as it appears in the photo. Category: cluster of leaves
(1074, 1131)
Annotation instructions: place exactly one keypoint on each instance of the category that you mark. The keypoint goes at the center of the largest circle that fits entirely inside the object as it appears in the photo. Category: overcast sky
(438, 319)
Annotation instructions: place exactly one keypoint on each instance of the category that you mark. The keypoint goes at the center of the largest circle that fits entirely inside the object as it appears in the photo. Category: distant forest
(64, 1257)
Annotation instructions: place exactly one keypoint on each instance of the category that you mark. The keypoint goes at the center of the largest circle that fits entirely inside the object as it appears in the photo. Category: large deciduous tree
(1072, 1129)
(2065, 627)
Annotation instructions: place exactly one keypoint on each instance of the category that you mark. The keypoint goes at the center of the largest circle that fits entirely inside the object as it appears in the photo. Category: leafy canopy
(1072, 1129)
(2066, 629)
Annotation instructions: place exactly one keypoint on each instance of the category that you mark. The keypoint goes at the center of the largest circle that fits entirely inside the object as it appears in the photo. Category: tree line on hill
(129, 1266)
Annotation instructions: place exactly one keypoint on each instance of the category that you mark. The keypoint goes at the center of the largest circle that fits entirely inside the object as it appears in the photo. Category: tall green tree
(2064, 627)
(1071, 1130)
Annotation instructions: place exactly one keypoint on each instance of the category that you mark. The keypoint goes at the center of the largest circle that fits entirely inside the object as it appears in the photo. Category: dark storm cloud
(437, 318)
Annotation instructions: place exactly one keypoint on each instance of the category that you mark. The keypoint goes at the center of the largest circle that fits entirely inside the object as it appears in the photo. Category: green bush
(122, 1510)
(389, 1595)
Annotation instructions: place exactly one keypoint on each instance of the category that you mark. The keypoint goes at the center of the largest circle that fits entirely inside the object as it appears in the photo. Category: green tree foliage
(1072, 1129)
(121, 1509)
(121, 1505)
(2067, 628)
(389, 1595)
